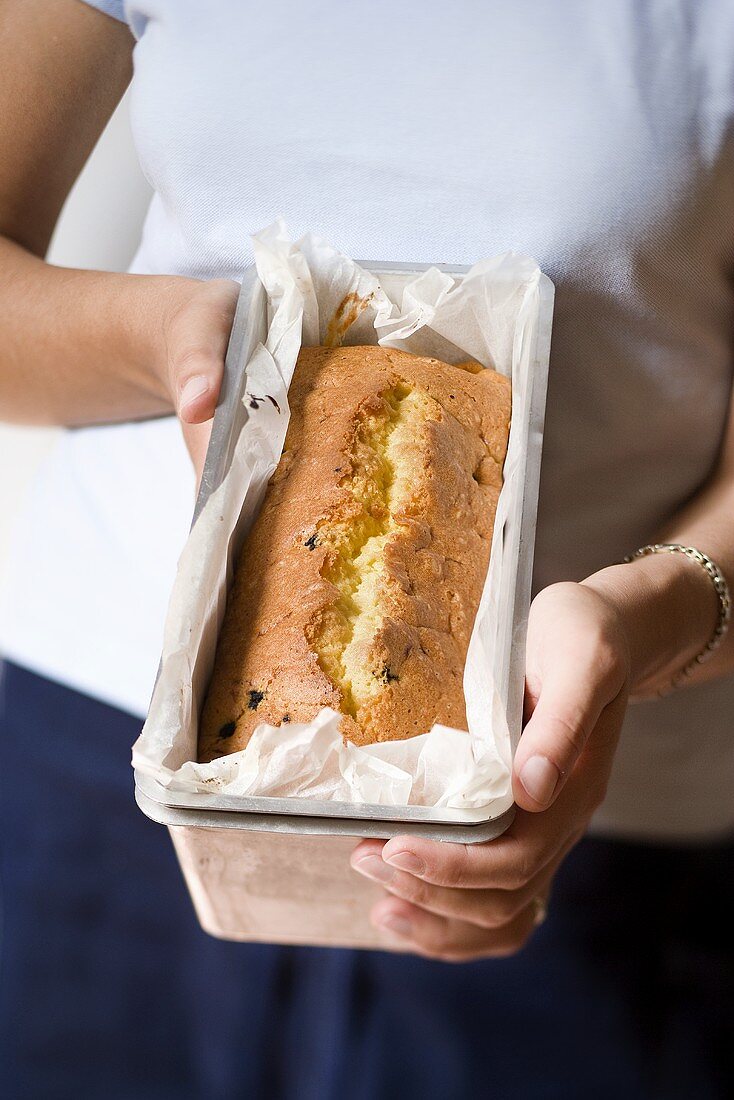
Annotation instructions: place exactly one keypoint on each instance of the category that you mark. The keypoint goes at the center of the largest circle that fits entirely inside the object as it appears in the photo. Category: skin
(80, 347)
(86, 347)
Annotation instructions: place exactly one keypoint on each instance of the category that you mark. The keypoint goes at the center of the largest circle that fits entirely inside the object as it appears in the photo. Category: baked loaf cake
(359, 582)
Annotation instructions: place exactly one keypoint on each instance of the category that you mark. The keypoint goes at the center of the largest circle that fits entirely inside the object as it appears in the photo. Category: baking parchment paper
(317, 295)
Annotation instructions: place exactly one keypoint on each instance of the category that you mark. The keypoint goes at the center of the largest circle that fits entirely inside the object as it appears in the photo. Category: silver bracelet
(722, 594)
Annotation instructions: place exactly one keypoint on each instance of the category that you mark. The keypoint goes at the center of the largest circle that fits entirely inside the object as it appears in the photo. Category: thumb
(197, 342)
(583, 669)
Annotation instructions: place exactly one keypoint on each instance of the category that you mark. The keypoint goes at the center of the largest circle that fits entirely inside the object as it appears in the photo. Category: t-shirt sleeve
(115, 8)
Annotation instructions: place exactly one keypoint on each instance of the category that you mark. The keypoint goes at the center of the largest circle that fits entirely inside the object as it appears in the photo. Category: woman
(596, 137)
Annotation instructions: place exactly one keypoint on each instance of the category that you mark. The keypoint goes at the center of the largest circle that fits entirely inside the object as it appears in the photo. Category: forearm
(80, 347)
(667, 602)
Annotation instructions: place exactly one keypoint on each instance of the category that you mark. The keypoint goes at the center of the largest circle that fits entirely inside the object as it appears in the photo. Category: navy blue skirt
(108, 987)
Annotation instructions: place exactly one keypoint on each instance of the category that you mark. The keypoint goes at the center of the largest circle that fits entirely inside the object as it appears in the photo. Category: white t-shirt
(595, 136)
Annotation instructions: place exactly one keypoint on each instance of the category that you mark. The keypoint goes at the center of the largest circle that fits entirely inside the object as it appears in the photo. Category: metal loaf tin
(277, 869)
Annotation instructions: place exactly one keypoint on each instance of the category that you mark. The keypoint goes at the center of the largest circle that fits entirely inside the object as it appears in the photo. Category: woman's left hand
(461, 901)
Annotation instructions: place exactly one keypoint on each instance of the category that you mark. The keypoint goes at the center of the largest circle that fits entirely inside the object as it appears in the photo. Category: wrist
(667, 609)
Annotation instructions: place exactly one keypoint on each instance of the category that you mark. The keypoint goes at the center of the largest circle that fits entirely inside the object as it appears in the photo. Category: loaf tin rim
(249, 328)
(315, 825)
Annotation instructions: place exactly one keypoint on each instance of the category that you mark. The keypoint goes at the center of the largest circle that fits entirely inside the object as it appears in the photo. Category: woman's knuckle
(569, 737)
(188, 355)
(489, 914)
(442, 942)
(489, 920)
(511, 877)
(410, 888)
(486, 918)
(453, 873)
(500, 910)
(607, 657)
(537, 860)
(435, 951)
(525, 867)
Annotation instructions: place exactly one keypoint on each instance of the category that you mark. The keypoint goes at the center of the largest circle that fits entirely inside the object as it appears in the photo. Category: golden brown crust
(358, 585)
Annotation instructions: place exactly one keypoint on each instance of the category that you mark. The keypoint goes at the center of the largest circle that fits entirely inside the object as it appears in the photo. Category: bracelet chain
(723, 595)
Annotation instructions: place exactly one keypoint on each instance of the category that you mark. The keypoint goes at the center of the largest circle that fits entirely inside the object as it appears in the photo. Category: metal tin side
(528, 524)
(276, 888)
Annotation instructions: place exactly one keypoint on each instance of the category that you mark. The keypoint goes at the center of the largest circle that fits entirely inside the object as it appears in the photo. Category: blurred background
(99, 228)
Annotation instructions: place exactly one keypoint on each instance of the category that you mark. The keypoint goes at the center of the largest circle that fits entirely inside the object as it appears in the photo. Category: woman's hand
(197, 318)
(462, 901)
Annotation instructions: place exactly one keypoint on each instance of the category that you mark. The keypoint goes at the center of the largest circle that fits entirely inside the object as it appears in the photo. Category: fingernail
(374, 867)
(399, 925)
(406, 861)
(540, 778)
(193, 388)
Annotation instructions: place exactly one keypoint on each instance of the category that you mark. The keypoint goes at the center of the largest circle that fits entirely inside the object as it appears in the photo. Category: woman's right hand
(197, 318)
